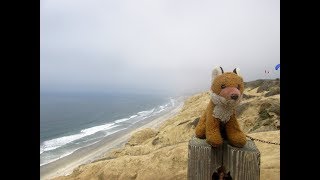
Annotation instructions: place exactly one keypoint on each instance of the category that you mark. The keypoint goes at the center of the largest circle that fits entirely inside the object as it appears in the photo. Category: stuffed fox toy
(219, 122)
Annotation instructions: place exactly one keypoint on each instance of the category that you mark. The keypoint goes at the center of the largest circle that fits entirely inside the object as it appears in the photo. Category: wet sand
(66, 165)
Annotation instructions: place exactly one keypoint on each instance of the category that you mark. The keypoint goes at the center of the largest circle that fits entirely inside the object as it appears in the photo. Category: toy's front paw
(214, 140)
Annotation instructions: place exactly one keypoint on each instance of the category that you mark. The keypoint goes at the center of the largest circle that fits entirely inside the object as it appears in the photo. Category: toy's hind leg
(201, 127)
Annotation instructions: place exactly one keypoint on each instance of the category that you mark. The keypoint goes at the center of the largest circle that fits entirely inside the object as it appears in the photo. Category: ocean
(71, 121)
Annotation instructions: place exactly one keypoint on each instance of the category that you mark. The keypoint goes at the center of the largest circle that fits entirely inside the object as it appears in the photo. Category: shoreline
(66, 165)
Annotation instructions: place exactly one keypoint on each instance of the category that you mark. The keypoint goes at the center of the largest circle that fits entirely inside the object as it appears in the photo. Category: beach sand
(66, 165)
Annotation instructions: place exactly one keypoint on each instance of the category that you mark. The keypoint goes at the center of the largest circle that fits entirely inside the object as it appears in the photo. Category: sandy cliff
(162, 153)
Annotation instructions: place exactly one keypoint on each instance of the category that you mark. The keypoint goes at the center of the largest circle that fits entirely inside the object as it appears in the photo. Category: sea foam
(58, 142)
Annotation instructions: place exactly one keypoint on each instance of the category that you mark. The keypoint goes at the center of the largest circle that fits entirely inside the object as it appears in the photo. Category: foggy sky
(155, 46)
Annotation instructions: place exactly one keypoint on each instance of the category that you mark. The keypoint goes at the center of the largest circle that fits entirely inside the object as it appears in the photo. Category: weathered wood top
(250, 145)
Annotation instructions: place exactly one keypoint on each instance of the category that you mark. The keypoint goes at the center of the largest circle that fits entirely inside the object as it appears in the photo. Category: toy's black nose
(234, 96)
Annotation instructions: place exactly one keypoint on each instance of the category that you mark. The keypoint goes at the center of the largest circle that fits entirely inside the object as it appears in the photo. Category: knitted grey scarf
(223, 108)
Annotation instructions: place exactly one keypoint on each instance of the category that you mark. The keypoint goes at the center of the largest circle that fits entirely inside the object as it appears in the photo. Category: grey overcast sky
(155, 45)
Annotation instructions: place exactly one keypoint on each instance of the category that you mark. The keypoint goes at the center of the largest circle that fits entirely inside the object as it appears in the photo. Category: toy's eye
(223, 86)
(238, 86)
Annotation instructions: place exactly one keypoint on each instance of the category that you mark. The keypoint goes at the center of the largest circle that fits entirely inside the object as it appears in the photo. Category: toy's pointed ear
(216, 72)
(237, 71)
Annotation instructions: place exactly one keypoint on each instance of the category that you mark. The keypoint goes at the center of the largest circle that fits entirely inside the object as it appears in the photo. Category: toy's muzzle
(230, 93)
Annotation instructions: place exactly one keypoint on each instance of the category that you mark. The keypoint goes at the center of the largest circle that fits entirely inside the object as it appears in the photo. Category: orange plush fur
(226, 92)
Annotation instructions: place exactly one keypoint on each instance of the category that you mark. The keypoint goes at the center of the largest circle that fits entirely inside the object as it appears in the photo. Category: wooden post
(204, 160)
